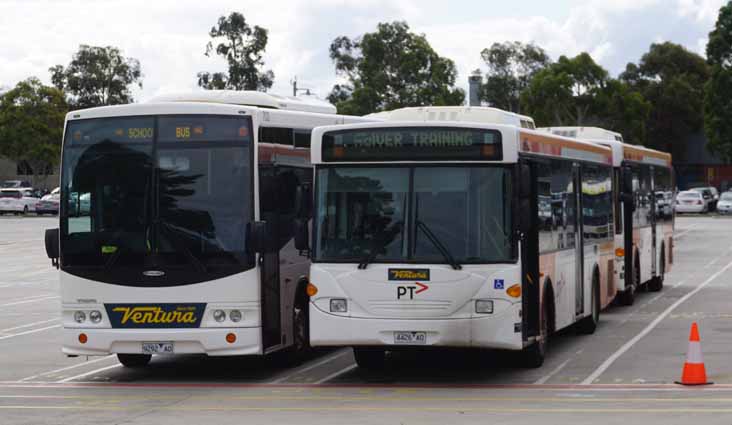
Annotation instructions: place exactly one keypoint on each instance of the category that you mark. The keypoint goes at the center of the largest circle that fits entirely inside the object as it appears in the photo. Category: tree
(97, 76)
(578, 92)
(511, 65)
(31, 124)
(391, 68)
(718, 90)
(243, 47)
(672, 79)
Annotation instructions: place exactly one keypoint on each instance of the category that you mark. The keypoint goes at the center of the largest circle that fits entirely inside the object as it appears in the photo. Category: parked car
(15, 184)
(724, 206)
(691, 201)
(17, 201)
(711, 196)
(49, 204)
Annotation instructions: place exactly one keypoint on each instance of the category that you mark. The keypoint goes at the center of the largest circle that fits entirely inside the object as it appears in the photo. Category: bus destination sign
(412, 144)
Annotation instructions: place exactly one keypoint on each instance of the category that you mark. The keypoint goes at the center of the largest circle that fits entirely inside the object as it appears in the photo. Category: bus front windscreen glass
(168, 194)
(403, 214)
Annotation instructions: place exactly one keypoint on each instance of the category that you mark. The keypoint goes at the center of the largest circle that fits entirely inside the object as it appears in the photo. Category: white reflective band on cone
(694, 355)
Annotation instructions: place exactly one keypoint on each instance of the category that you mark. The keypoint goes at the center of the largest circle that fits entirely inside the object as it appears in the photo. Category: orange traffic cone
(694, 372)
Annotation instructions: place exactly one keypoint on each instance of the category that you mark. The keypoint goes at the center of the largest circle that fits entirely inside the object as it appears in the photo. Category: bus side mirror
(52, 245)
(303, 200)
(260, 237)
(302, 235)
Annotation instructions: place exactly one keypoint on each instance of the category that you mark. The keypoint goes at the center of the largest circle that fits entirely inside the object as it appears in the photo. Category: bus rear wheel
(370, 358)
(134, 360)
(656, 283)
(588, 325)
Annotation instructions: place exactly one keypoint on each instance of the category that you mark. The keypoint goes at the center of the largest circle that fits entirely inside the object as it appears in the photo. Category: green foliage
(718, 90)
(578, 92)
(511, 66)
(391, 68)
(672, 79)
(242, 46)
(31, 124)
(97, 76)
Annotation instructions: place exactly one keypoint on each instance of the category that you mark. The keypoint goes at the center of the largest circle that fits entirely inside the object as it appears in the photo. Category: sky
(169, 36)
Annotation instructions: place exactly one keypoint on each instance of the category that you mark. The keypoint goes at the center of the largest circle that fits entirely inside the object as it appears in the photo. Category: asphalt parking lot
(624, 372)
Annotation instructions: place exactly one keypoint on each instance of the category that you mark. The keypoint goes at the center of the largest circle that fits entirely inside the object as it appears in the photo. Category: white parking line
(327, 359)
(51, 372)
(28, 325)
(336, 374)
(29, 332)
(88, 373)
(548, 376)
(35, 300)
(610, 360)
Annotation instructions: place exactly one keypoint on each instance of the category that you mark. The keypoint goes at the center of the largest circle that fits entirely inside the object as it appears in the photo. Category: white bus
(430, 232)
(176, 225)
(644, 183)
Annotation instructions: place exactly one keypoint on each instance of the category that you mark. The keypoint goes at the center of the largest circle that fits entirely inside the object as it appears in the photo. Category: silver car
(724, 206)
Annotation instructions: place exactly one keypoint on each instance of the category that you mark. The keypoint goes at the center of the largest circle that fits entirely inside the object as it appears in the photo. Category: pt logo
(410, 290)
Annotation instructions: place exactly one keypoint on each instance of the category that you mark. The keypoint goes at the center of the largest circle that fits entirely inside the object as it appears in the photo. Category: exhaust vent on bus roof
(251, 98)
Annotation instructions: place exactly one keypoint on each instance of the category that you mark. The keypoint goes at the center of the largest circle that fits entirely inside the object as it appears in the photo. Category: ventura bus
(432, 232)
(643, 230)
(176, 225)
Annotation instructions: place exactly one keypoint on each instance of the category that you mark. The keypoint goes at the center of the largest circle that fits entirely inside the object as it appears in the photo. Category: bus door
(529, 231)
(654, 218)
(269, 262)
(579, 282)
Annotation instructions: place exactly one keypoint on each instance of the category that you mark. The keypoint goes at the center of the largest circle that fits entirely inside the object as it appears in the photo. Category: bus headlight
(95, 316)
(338, 305)
(235, 316)
(79, 316)
(484, 306)
(219, 315)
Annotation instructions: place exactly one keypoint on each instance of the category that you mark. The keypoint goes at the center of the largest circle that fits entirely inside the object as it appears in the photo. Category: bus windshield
(171, 194)
(395, 214)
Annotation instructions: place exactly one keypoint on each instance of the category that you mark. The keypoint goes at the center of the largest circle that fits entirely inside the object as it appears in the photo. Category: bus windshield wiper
(439, 245)
(378, 243)
(175, 240)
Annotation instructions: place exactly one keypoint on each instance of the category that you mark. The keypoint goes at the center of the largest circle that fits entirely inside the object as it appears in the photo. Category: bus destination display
(412, 144)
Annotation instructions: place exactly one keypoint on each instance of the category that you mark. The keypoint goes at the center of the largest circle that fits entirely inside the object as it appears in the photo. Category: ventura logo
(409, 274)
(155, 316)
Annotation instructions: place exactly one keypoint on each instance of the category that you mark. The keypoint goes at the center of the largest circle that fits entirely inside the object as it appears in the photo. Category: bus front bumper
(211, 341)
(502, 331)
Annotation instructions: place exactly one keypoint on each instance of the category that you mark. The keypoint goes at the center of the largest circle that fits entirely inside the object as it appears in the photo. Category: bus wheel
(588, 325)
(301, 343)
(134, 360)
(533, 355)
(656, 284)
(370, 358)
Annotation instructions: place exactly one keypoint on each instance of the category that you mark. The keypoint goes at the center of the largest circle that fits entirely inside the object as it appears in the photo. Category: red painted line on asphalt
(365, 385)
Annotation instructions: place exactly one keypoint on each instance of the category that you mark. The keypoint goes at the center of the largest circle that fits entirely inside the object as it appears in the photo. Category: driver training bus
(644, 225)
(176, 225)
(456, 227)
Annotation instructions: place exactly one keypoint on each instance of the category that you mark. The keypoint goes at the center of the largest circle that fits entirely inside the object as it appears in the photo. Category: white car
(691, 201)
(724, 206)
(17, 201)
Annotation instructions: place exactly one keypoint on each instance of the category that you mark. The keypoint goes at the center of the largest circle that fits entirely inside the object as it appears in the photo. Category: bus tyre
(370, 358)
(656, 284)
(134, 360)
(533, 356)
(588, 325)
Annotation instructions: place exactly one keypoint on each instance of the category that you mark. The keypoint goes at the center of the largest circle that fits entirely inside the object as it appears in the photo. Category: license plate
(413, 338)
(157, 348)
